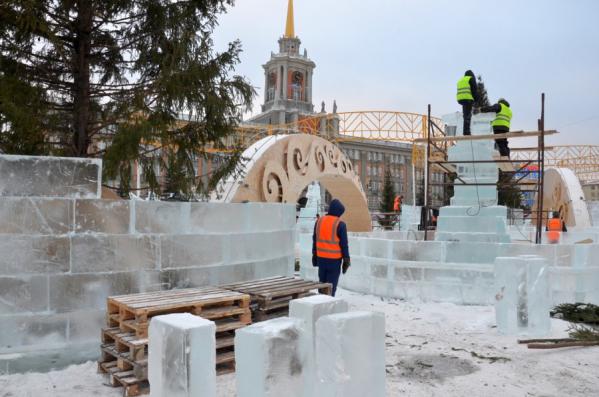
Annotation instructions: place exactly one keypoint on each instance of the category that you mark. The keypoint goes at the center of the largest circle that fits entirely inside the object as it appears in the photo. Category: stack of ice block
(473, 214)
(310, 310)
(307, 215)
(522, 300)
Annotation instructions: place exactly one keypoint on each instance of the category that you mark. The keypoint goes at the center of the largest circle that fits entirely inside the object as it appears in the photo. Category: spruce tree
(386, 203)
(483, 96)
(111, 78)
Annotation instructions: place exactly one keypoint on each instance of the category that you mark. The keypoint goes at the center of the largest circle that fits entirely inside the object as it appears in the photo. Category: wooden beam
(515, 134)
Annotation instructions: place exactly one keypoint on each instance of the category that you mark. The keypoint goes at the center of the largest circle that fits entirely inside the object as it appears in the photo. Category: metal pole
(542, 161)
(427, 172)
(541, 168)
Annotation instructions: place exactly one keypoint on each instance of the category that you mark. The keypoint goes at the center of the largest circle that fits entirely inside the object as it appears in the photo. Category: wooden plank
(254, 282)
(188, 300)
(514, 134)
(216, 313)
(225, 358)
(155, 294)
(278, 286)
(283, 285)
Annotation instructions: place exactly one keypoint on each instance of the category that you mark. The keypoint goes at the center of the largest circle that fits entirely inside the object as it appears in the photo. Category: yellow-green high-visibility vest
(503, 118)
(464, 91)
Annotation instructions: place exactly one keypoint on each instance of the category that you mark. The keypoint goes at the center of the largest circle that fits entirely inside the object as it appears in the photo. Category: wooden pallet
(270, 297)
(125, 340)
(131, 313)
(132, 385)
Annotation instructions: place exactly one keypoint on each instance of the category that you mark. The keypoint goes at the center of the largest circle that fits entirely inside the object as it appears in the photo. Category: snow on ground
(433, 349)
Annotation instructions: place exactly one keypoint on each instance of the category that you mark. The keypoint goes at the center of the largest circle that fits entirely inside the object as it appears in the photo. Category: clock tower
(288, 80)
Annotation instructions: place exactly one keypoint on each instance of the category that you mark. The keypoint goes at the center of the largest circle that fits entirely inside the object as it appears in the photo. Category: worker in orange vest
(397, 203)
(555, 227)
(330, 250)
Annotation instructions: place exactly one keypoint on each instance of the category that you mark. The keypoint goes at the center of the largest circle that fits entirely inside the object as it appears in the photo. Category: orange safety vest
(396, 204)
(554, 227)
(327, 242)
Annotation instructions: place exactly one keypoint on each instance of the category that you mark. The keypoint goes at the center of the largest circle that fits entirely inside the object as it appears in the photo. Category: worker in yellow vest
(467, 95)
(554, 228)
(330, 251)
(501, 124)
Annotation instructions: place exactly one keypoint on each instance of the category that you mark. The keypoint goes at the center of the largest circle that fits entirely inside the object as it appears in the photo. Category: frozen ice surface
(309, 310)
(50, 177)
(269, 359)
(350, 357)
(409, 218)
(182, 356)
(522, 300)
(593, 207)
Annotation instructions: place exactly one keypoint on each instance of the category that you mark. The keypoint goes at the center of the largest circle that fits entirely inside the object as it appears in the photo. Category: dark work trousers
(329, 272)
(467, 113)
(502, 144)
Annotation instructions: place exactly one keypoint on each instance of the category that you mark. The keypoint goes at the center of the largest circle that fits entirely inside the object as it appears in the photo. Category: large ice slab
(269, 359)
(309, 310)
(350, 357)
(182, 356)
(50, 177)
(22, 215)
(522, 295)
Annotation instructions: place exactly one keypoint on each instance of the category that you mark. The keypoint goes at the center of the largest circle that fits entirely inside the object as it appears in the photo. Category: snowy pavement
(433, 349)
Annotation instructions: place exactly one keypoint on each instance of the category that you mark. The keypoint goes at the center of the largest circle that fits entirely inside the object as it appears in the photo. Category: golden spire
(290, 27)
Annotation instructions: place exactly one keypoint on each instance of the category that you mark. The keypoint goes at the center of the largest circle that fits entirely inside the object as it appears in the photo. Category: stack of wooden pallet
(271, 296)
(125, 340)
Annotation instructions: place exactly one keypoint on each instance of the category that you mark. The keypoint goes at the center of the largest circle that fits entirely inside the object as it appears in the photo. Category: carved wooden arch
(277, 169)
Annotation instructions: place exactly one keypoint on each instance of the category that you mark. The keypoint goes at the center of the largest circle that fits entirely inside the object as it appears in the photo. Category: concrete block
(95, 253)
(269, 359)
(23, 294)
(24, 215)
(161, 217)
(350, 357)
(102, 216)
(25, 176)
(182, 356)
(309, 310)
(193, 250)
(23, 254)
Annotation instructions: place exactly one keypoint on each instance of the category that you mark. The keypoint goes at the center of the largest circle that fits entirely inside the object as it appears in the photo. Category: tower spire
(290, 26)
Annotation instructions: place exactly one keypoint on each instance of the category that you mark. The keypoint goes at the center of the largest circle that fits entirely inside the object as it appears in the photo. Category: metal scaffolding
(437, 143)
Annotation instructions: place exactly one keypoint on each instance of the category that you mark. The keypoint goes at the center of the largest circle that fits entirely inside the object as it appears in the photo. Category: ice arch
(277, 169)
(563, 193)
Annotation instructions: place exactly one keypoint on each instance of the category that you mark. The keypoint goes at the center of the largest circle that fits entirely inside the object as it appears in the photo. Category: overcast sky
(401, 55)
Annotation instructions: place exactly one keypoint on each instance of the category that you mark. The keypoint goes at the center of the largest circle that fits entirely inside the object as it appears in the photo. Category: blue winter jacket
(336, 208)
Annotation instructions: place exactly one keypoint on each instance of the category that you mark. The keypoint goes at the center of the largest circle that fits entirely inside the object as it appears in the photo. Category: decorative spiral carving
(275, 183)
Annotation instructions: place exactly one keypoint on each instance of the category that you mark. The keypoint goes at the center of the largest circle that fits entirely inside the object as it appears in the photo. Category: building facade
(591, 191)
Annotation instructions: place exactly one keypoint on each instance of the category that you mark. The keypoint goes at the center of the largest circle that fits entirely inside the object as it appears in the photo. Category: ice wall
(457, 272)
(62, 256)
(593, 207)
(473, 214)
